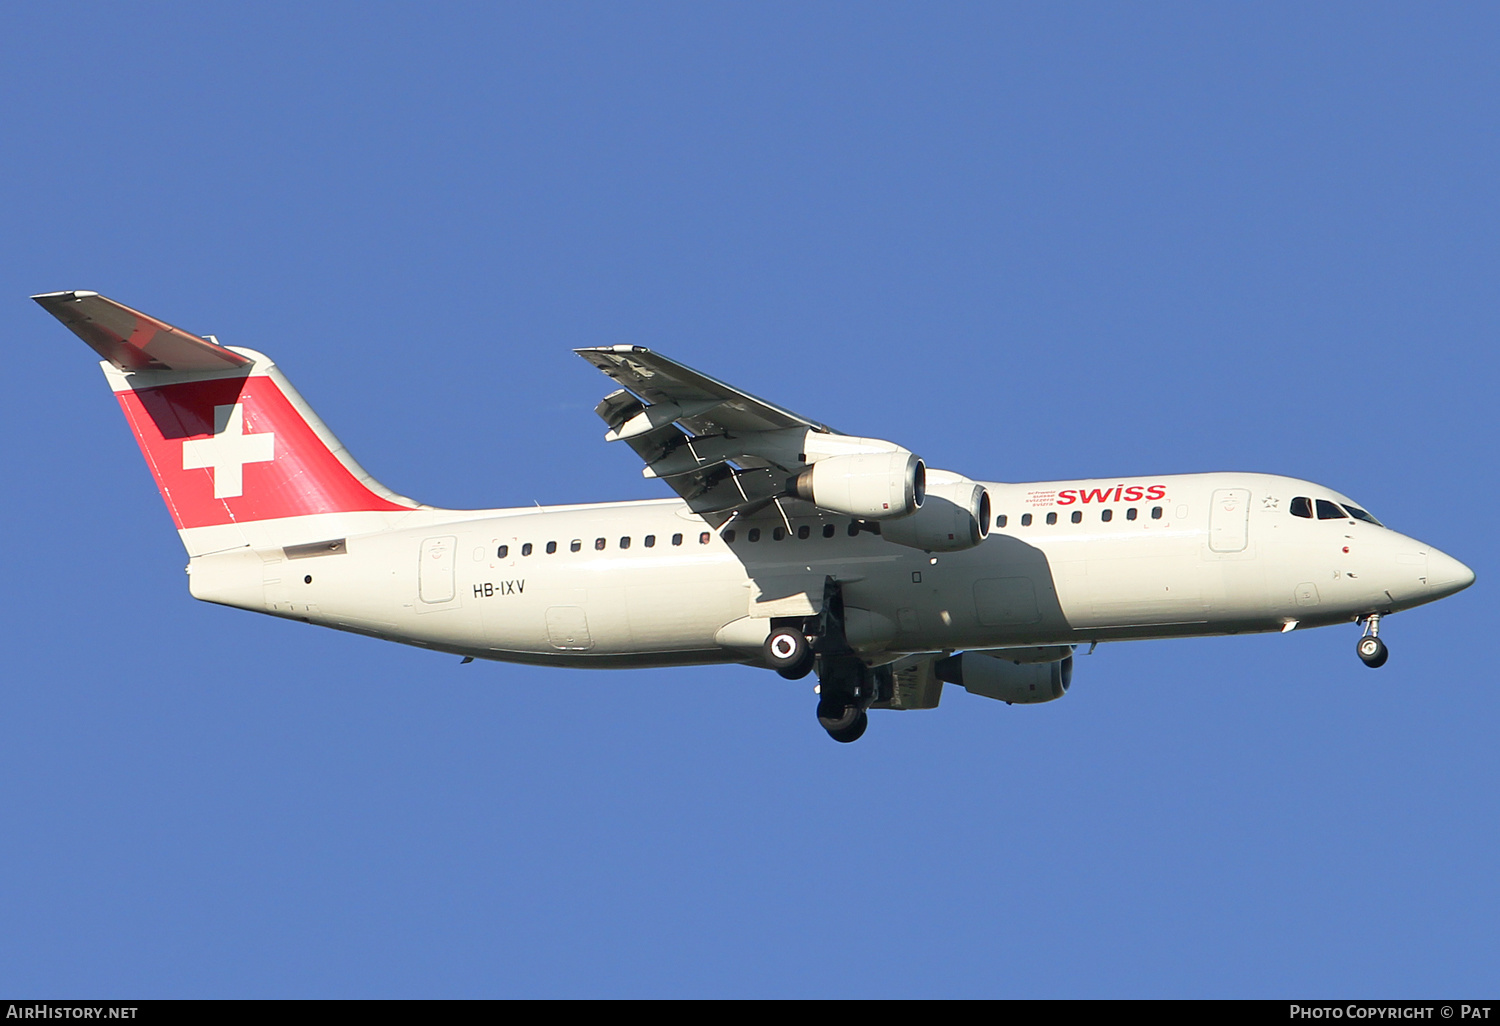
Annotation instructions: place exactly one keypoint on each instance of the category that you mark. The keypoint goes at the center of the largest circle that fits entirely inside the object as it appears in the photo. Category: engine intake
(870, 486)
(956, 516)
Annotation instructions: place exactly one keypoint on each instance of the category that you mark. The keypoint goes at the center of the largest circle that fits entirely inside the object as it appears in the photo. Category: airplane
(788, 546)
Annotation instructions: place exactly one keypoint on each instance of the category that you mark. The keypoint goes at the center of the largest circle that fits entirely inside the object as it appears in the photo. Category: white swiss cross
(227, 452)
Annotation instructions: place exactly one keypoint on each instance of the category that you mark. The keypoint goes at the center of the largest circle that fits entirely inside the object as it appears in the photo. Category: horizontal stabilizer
(131, 340)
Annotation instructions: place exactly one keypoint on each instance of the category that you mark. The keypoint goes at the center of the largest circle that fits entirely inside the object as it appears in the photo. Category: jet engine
(994, 675)
(870, 486)
(955, 516)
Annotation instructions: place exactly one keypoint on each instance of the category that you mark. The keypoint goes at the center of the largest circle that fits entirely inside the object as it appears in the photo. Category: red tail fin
(227, 438)
(235, 449)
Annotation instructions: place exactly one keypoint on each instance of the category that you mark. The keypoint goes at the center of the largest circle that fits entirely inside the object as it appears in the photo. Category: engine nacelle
(994, 676)
(955, 516)
(870, 486)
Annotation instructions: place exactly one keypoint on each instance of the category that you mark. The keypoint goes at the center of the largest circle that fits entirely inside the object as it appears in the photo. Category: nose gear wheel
(1372, 651)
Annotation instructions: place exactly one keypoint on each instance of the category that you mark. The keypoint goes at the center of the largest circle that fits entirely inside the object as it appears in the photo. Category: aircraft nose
(1446, 575)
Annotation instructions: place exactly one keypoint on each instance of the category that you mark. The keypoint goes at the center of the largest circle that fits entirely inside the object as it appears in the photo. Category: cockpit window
(1328, 511)
(1359, 514)
(1301, 507)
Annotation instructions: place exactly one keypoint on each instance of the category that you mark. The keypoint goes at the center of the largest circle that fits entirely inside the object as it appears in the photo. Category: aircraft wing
(708, 406)
(725, 451)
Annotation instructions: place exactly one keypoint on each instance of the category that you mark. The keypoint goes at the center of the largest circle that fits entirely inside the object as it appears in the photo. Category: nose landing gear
(1372, 651)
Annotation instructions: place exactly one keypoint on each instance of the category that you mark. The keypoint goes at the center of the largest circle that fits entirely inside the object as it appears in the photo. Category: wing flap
(913, 684)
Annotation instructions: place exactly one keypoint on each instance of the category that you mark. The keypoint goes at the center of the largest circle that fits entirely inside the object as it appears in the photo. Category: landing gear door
(1229, 520)
(799, 595)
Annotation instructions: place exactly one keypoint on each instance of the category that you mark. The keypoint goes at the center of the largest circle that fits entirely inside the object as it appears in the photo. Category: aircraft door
(568, 628)
(435, 572)
(1229, 520)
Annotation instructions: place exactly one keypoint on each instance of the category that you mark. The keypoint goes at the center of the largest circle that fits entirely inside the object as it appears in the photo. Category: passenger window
(575, 544)
(1359, 514)
(1077, 517)
(649, 541)
(804, 531)
(526, 549)
(703, 538)
(599, 544)
(1107, 515)
(829, 530)
(729, 536)
(551, 548)
(754, 534)
(1051, 518)
(1155, 512)
(1328, 511)
(624, 543)
(502, 552)
(1025, 519)
(777, 534)
(1130, 513)
(1000, 520)
(676, 539)
(1301, 507)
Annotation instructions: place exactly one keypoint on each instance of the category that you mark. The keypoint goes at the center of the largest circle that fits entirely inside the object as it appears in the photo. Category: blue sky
(1028, 242)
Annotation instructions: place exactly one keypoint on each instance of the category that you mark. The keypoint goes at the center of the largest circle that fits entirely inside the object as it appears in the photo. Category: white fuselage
(649, 583)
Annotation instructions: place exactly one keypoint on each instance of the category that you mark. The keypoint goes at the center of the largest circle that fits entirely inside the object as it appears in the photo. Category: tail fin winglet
(134, 341)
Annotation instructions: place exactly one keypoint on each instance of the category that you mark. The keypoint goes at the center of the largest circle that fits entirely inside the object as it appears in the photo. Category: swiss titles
(1119, 493)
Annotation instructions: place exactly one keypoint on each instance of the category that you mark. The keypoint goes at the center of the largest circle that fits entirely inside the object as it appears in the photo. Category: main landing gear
(844, 684)
(788, 652)
(1372, 651)
(843, 697)
(846, 687)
